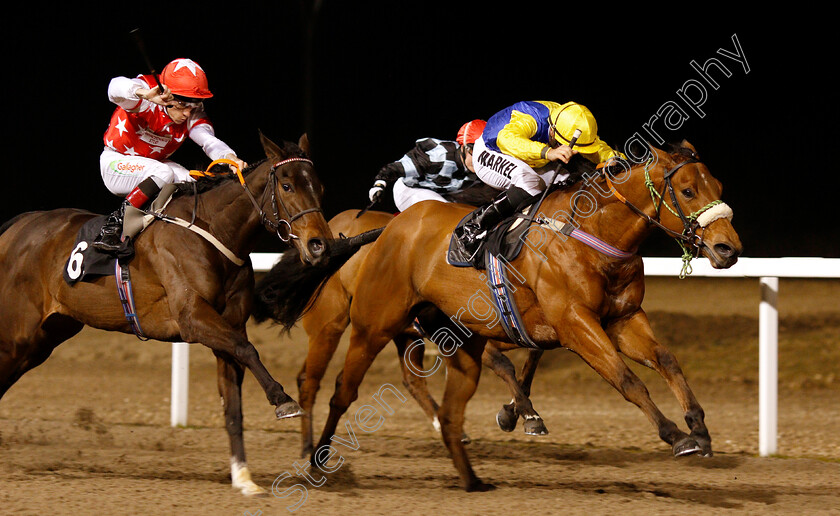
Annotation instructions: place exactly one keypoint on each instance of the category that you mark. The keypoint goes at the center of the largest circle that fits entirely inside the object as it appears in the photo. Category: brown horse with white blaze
(572, 295)
(185, 288)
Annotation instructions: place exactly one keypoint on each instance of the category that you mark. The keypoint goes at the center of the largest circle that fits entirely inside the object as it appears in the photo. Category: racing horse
(184, 287)
(329, 315)
(572, 294)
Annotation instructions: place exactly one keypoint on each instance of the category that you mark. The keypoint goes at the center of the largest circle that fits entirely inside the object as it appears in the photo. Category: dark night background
(387, 73)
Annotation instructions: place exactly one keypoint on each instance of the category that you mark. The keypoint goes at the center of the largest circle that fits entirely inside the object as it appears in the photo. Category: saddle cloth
(86, 263)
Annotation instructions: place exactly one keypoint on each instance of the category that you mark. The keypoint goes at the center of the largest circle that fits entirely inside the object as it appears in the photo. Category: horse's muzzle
(317, 252)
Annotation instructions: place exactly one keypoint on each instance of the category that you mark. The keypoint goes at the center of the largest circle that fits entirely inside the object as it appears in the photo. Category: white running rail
(767, 270)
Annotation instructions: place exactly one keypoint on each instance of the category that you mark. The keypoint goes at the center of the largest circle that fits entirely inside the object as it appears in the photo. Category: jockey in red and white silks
(151, 122)
(142, 135)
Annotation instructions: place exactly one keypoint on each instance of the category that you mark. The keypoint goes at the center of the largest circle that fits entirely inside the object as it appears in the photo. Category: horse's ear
(685, 145)
(271, 149)
(303, 143)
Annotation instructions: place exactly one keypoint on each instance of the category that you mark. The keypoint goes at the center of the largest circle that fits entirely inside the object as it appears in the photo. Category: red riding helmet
(185, 78)
(470, 132)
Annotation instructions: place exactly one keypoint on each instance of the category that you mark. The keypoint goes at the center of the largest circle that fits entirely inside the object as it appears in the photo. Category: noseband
(689, 240)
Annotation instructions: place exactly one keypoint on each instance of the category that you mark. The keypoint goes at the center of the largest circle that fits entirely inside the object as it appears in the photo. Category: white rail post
(180, 383)
(768, 366)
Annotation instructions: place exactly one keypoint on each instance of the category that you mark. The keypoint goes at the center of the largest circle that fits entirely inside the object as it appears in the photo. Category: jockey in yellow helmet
(515, 144)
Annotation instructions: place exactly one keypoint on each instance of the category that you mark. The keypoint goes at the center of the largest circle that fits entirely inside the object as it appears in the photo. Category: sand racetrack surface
(88, 431)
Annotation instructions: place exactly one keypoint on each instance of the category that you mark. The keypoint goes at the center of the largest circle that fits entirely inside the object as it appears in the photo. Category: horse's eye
(287, 187)
(688, 193)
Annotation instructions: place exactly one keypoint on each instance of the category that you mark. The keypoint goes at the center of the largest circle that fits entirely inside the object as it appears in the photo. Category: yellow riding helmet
(571, 116)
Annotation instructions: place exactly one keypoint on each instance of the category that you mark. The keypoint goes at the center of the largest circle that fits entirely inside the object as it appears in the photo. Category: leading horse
(570, 295)
(184, 288)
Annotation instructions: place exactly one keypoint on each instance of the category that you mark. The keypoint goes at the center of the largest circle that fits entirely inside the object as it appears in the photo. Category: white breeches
(405, 196)
(502, 171)
(122, 173)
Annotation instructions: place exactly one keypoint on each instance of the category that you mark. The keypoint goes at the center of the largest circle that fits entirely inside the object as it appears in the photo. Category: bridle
(279, 224)
(690, 240)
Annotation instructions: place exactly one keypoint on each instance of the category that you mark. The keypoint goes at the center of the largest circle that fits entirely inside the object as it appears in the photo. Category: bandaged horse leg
(229, 379)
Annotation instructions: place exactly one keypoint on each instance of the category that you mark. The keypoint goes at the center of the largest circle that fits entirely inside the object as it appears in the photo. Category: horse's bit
(689, 240)
(272, 185)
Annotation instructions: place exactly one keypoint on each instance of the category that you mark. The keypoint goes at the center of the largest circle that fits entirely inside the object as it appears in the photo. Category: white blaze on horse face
(241, 479)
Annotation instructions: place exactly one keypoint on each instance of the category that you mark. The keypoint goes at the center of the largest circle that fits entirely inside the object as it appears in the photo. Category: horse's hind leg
(229, 377)
(635, 339)
(17, 358)
(520, 405)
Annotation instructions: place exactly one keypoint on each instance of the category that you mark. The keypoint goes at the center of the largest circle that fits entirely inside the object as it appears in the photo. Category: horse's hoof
(241, 480)
(687, 446)
(306, 451)
(507, 418)
(288, 409)
(479, 487)
(535, 427)
(465, 438)
(705, 443)
(252, 490)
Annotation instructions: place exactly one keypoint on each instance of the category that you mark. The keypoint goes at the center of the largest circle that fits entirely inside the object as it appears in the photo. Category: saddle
(505, 240)
(86, 263)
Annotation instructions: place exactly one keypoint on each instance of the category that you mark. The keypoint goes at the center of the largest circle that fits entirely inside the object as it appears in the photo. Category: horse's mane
(221, 174)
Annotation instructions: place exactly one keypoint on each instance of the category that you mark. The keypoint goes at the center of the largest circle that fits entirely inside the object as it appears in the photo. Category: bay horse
(329, 316)
(572, 295)
(185, 289)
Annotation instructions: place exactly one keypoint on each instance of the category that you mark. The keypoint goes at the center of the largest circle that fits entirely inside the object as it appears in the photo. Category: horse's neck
(610, 221)
(229, 214)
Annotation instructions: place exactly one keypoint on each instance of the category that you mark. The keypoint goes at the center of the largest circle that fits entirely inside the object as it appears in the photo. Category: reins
(688, 239)
(276, 201)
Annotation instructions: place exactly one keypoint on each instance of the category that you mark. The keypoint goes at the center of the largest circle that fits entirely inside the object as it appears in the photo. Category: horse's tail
(289, 289)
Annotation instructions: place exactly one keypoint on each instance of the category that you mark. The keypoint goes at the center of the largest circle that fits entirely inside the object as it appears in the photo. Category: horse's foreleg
(520, 405)
(591, 343)
(463, 372)
(322, 347)
(635, 339)
(360, 355)
(199, 322)
(229, 377)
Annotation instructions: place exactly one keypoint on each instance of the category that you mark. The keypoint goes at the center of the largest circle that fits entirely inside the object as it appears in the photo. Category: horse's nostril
(724, 250)
(316, 246)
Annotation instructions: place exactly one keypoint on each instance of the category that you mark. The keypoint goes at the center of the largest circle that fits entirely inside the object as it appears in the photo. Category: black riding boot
(109, 239)
(482, 220)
